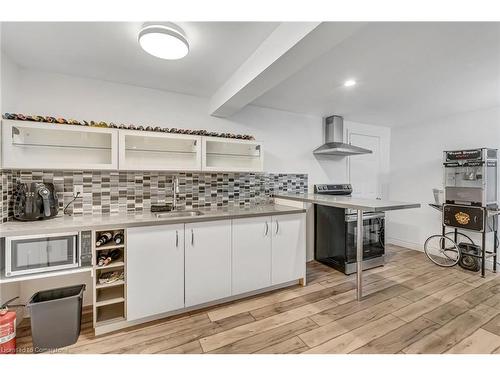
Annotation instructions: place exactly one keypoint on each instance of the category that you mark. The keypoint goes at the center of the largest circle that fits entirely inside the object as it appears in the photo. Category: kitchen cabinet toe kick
(112, 327)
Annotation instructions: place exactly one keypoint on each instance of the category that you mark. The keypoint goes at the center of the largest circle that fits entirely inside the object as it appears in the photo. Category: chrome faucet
(175, 191)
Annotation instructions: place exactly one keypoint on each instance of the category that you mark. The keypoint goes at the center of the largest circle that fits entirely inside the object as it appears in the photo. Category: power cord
(74, 199)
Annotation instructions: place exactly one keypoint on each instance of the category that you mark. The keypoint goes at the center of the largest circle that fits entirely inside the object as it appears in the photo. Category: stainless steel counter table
(358, 204)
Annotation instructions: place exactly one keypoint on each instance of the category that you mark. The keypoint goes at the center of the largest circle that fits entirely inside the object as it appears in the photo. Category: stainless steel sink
(188, 213)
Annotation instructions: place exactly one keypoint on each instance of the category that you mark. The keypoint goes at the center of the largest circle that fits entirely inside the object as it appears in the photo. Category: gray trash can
(56, 315)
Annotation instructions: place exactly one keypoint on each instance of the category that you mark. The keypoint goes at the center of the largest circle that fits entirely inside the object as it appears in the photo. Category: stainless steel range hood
(334, 135)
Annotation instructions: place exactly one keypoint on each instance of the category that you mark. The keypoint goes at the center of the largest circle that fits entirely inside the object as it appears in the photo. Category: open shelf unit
(221, 154)
(141, 150)
(110, 314)
(109, 247)
(36, 145)
(109, 298)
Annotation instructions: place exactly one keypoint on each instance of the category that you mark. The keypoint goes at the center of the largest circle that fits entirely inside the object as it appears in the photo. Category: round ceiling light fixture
(165, 41)
(349, 83)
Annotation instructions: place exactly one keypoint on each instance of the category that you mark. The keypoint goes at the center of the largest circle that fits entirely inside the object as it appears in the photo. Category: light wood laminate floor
(410, 306)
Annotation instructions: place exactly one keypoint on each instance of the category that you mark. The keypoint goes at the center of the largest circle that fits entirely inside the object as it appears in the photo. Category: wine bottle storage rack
(111, 243)
(110, 298)
(119, 261)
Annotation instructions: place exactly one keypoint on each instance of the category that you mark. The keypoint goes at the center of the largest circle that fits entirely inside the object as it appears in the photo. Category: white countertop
(348, 202)
(68, 223)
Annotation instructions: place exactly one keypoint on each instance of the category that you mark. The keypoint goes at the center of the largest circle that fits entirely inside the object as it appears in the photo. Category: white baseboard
(408, 245)
(420, 247)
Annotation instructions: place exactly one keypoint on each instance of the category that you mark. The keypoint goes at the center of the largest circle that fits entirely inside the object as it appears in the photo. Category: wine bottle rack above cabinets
(34, 145)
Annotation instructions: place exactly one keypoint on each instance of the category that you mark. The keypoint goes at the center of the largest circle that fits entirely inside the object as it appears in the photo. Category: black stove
(335, 233)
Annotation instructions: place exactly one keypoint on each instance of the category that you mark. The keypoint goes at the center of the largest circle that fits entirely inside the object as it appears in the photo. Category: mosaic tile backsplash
(112, 192)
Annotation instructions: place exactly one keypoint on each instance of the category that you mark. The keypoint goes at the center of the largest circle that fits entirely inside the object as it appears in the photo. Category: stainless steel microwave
(24, 255)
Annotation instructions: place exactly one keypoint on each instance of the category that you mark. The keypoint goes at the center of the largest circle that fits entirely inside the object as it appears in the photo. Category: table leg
(495, 247)
(359, 256)
(483, 258)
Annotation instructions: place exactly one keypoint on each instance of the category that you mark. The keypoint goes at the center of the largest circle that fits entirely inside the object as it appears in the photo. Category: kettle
(35, 201)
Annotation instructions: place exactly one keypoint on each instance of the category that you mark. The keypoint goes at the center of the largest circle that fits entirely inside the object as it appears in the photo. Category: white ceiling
(110, 51)
(406, 72)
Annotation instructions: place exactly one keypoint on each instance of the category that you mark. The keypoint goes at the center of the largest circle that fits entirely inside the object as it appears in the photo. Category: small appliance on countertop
(336, 230)
(35, 201)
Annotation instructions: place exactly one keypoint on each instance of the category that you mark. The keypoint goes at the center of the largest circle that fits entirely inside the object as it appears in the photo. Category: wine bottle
(105, 237)
(118, 238)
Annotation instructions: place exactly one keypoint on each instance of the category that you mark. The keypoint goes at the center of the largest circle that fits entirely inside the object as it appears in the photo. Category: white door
(364, 170)
(155, 270)
(288, 248)
(251, 256)
(208, 261)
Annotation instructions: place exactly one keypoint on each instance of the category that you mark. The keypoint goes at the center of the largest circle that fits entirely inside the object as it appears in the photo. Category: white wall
(416, 168)
(7, 291)
(10, 78)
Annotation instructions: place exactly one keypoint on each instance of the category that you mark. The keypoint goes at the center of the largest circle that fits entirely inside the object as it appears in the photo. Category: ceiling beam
(289, 48)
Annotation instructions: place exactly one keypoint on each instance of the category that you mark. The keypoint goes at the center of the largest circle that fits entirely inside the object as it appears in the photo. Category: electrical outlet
(77, 189)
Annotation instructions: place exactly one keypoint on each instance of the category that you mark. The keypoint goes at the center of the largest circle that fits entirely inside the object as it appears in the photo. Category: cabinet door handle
(267, 229)
(176, 238)
(192, 237)
(277, 227)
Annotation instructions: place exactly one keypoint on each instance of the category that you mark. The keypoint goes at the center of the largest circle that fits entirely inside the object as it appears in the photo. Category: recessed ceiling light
(349, 83)
(164, 41)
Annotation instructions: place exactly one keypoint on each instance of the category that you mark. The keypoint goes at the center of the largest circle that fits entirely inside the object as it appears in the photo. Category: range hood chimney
(334, 136)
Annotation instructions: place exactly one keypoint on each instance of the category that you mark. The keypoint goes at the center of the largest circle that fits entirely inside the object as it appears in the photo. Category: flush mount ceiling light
(165, 41)
(349, 83)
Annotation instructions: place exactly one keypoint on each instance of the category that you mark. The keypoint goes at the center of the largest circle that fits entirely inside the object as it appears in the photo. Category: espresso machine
(471, 196)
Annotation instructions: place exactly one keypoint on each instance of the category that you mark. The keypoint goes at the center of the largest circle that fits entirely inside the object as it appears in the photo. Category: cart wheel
(442, 250)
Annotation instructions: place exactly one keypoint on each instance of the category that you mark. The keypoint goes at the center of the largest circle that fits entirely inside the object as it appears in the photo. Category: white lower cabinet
(289, 248)
(155, 270)
(170, 267)
(251, 260)
(208, 261)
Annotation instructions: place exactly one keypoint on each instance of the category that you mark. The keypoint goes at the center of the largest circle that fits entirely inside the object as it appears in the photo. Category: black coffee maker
(35, 201)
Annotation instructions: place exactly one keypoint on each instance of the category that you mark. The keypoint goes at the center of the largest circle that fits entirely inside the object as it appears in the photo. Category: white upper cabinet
(289, 248)
(141, 150)
(251, 261)
(34, 145)
(232, 155)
